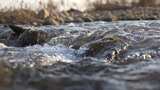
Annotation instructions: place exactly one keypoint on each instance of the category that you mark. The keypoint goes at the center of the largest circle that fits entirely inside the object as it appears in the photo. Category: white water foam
(55, 53)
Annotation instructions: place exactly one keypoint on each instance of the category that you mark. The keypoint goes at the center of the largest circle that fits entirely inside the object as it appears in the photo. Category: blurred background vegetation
(106, 10)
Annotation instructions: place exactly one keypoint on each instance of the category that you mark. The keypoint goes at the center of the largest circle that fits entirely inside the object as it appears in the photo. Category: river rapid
(99, 55)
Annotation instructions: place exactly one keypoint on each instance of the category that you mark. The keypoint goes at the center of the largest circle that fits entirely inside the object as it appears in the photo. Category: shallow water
(87, 56)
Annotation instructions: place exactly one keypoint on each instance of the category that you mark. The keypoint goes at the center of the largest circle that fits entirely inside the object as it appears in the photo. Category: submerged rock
(105, 48)
(83, 39)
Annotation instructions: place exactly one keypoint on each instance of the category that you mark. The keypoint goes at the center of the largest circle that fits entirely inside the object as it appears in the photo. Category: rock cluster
(21, 37)
(45, 17)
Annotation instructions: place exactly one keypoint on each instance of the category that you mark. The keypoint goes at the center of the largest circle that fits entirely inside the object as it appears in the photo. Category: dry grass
(147, 3)
(22, 16)
(123, 5)
(26, 16)
(108, 6)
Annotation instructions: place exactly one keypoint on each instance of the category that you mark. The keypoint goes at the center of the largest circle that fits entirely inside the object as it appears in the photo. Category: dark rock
(82, 39)
(5, 34)
(16, 29)
(14, 35)
(24, 37)
(74, 11)
(31, 37)
(105, 48)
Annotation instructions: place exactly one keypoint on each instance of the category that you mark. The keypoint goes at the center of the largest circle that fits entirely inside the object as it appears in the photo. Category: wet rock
(24, 37)
(32, 37)
(8, 42)
(16, 29)
(11, 40)
(13, 36)
(105, 48)
(8, 37)
(5, 34)
(56, 33)
(83, 39)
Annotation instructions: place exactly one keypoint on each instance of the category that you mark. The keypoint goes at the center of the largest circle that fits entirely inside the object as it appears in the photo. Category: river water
(87, 56)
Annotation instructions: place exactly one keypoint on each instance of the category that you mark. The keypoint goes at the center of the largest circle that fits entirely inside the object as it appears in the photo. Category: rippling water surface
(88, 56)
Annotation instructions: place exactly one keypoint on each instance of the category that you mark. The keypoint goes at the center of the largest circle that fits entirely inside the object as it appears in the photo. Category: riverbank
(48, 17)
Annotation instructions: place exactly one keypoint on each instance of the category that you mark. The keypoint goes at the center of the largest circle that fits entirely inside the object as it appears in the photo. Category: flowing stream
(99, 55)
